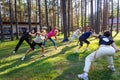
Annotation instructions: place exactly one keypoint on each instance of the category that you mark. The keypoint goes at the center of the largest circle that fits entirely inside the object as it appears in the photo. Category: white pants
(73, 37)
(103, 50)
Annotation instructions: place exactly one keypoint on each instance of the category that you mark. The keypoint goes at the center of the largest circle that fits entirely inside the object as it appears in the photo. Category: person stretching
(83, 38)
(75, 35)
(49, 36)
(37, 41)
(27, 37)
(107, 48)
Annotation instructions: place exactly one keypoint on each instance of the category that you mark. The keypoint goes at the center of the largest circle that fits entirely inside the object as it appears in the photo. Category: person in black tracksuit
(83, 38)
(27, 37)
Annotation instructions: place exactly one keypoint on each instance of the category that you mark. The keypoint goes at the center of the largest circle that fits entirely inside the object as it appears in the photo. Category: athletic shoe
(43, 55)
(35, 49)
(67, 45)
(83, 76)
(86, 49)
(111, 68)
(14, 52)
(77, 51)
(55, 47)
(23, 58)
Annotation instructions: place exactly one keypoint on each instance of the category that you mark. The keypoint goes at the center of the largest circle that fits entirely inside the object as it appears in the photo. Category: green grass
(62, 64)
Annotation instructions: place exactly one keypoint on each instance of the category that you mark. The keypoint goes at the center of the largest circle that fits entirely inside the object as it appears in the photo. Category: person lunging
(37, 41)
(107, 48)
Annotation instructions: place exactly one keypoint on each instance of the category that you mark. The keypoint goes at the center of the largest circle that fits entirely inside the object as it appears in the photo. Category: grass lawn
(62, 64)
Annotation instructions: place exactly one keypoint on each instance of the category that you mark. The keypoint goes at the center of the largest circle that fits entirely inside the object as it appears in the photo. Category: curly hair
(107, 33)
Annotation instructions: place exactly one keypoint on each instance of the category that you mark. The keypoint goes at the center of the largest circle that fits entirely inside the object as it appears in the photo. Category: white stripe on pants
(103, 50)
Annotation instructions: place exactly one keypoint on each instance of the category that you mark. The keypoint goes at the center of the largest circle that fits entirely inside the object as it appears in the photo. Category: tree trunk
(61, 17)
(20, 11)
(1, 26)
(117, 16)
(39, 7)
(64, 20)
(58, 14)
(97, 27)
(82, 18)
(29, 14)
(68, 18)
(85, 15)
(100, 16)
(11, 19)
(16, 20)
(111, 28)
(92, 23)
(105, 15)
(78, 15)
(36, 12)
(46, 14)
(71, 18)
(54, 13)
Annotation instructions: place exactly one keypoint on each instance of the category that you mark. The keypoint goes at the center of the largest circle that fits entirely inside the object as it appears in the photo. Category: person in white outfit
(107, 48)
(75, 35)
(40, 37)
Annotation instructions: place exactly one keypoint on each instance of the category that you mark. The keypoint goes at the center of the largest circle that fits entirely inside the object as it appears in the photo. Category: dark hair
(90, 29)
(24, 30)
(35, 29)
(107, 33)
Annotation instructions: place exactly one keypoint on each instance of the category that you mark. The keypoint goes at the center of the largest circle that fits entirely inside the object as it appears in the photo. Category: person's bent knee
(88, 43)
(89, 58)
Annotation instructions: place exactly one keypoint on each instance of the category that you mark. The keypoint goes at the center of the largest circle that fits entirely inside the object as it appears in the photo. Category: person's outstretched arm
(95, 35)
(32, 34)
(114, 46)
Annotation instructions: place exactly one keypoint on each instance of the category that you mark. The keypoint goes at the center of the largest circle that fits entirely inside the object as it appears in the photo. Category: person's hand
(117, 50)
(56, 39)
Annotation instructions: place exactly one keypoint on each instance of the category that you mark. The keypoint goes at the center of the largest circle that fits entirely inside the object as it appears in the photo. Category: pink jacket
(52, 33)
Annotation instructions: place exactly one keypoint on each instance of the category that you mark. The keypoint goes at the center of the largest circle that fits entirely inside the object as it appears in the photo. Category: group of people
(107, 46)
(40, 39)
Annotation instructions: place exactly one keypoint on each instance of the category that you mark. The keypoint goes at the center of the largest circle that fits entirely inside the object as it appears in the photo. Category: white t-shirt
(76, 32)
(39, 39)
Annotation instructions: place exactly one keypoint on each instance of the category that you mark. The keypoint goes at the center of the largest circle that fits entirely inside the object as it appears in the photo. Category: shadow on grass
(102, 74)
(66, 49)
(19, 62)
(72, 72)
(73, 58)
(5, 53)
(35, 61)
(16, 62)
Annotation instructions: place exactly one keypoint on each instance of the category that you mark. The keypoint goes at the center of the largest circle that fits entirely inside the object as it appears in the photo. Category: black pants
(28, 40)
(83, 40)
(34, 44)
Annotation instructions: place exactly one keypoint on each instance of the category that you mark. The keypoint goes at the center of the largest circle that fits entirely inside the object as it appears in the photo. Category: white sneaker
(23, 58)
(83, 76)
(14, 52)
(43, 55)
(67, 45)
(86, 49)
(111, 68)
(77, 51)
(55, 47)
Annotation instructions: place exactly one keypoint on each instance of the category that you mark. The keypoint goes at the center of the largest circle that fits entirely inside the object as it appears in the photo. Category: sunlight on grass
(60, 64)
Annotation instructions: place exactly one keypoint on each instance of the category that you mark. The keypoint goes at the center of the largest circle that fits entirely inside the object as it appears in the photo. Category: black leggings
(85, 40)
(21, 41)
